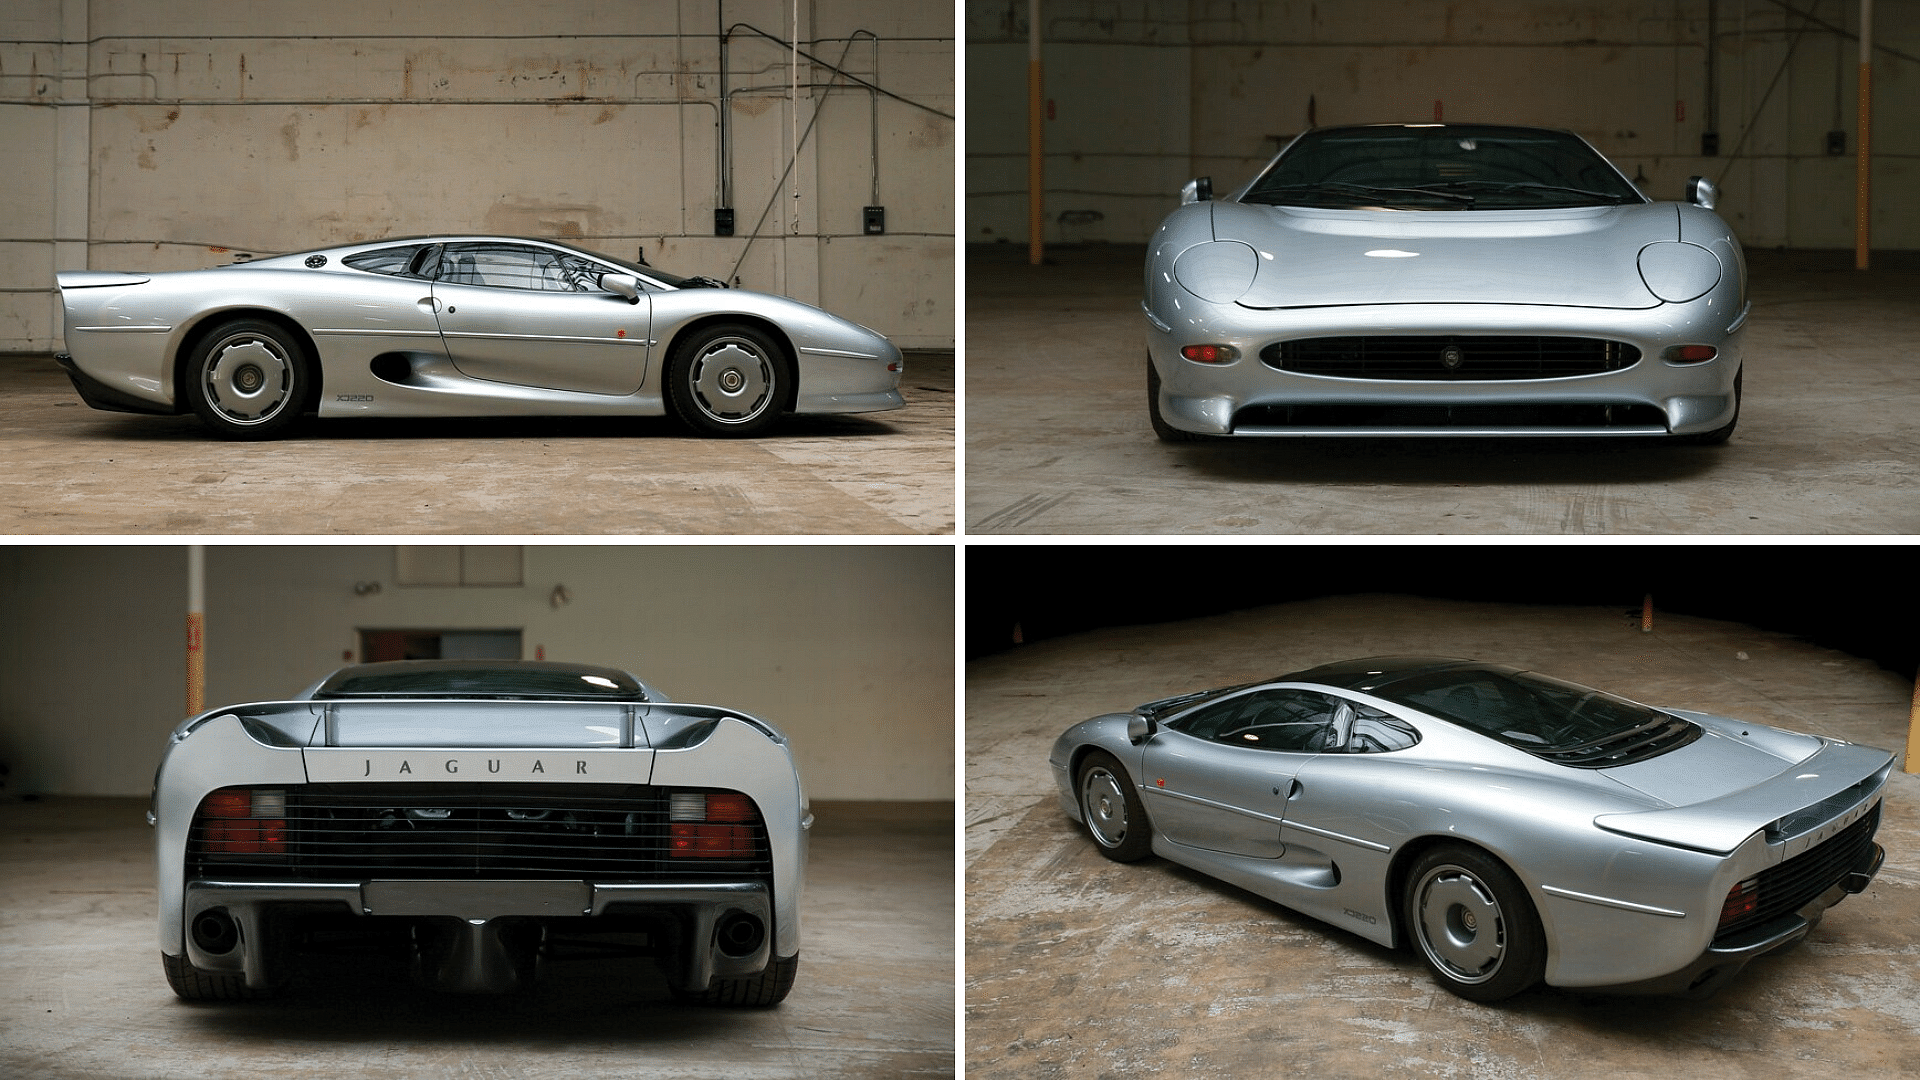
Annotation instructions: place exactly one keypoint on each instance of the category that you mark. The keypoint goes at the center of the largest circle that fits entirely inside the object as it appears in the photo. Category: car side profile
(1509, 827)
(480, 821)
(454, 326)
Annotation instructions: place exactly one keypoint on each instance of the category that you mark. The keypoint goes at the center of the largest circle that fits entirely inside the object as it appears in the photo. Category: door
(537, 317)
(1220, 777)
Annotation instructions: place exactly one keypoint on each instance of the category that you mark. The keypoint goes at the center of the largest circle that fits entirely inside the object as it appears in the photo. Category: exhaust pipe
(215, 933)
(739, 935)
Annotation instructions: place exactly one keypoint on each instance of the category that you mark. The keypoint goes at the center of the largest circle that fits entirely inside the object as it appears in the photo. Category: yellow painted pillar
(196, 618)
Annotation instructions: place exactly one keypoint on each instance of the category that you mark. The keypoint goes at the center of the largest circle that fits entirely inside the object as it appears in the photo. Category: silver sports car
(476, 820)
(461, 326)
(1443, 279)
(1513, 827)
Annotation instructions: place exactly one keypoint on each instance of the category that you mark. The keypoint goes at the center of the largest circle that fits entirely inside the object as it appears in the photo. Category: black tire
(1719, 436)
(1167, 432)
(248, 379)
(770, 987)
(729, 380)
(192, 984)
(1473, 924)
(1111, 809)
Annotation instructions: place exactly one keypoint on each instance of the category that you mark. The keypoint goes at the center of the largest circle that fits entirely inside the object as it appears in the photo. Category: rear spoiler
(1839, 780)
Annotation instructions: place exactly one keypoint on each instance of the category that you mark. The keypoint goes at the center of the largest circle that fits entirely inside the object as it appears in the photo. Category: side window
(1296, 720)
(1374, 732)
(389, 260)
(515, 266)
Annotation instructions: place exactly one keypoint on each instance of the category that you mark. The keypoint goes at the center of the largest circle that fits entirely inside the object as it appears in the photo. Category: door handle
(427, 303)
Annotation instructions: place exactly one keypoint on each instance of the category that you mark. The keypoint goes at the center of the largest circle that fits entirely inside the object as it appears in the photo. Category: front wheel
(248, 379)
(192, 984)
(728, 380)
(1474, 924)
(1719, 436)
(1112, 809)
(1166, 432)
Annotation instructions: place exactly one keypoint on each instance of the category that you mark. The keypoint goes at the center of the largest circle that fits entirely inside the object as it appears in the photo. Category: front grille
(1450, 358)
(1793, 884)
(1550, 416)
(1636, 744)
(348, 832)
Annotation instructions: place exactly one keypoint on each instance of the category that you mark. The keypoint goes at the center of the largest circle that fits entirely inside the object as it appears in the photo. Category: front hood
(1580, 257)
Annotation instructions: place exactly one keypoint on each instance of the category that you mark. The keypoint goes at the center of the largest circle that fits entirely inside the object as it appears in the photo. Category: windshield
(444, 680)
(1440, 167)
(1531, 711)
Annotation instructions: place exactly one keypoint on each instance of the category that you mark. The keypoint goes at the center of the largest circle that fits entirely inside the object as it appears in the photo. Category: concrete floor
(1058, 442)
(1078, 966)
(65, 468)
(84, 997)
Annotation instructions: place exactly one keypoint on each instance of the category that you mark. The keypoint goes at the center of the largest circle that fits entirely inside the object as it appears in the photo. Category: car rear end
(667, 830)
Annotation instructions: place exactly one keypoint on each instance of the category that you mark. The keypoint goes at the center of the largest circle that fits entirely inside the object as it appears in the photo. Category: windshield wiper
(1364, 191)
(1528, 185)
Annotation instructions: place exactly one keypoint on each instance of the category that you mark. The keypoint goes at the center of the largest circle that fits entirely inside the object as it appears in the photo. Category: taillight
(1210, 354)
(1688, 354)
(715, 825)
(244, 821)
(1742, 900)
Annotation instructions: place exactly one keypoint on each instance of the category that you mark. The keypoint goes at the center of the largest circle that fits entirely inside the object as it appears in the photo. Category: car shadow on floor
(1455, 461)
(185, 429)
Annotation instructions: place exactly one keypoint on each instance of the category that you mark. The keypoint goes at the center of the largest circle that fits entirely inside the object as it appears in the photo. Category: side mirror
(1199, 189)
(1701, 192)
(1140, 729)
(625, 284)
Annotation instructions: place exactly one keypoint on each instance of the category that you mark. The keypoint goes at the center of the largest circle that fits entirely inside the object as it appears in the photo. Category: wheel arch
(739, 318)
(1400, 866)
(210, 321)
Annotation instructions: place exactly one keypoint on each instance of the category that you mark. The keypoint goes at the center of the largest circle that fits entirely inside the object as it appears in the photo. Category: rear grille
(1450, 358)
(1649, 740)
(1568, 417)
(1791, 885)
(350, 832)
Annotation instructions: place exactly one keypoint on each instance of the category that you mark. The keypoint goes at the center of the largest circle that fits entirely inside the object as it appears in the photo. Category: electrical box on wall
(874, 220)
(723, 221)
(1836, 144)
(1709, 144)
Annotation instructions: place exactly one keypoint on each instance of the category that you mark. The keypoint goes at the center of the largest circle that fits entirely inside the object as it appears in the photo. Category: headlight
(1677, 272)
(1219, 272)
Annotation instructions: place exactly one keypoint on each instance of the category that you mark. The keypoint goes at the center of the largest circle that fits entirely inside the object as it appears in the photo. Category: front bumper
(719, 930)
(1249, 398)
(1718, 965)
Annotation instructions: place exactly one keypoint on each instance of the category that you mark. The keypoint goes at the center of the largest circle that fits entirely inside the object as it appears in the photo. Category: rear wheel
(192, 984)
(248, 379)
(1719, 436)
(770, 987)
(1473, 924)
(1112, 809)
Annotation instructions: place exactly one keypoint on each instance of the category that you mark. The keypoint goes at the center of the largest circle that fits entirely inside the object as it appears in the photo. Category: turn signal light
(1689, 354)
(1742, 900)
(239, 821)
(717, 825)
(1210, 354)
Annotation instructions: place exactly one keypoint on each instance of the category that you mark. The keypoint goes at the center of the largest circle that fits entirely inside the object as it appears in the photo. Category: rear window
(481, 682)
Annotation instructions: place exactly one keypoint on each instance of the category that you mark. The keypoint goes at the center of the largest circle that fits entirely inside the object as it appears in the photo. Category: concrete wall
(849, 649)
(1148, 93)
(147, 136)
